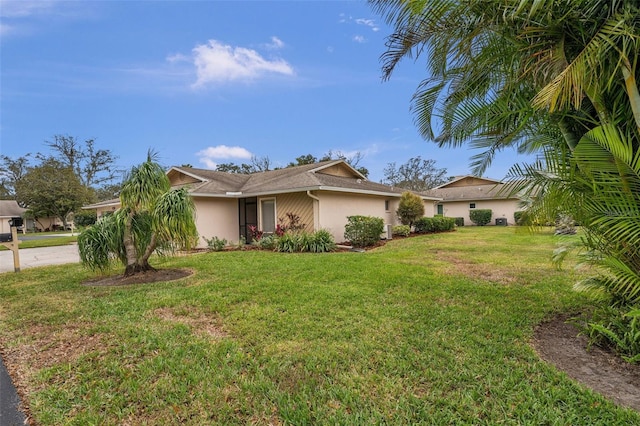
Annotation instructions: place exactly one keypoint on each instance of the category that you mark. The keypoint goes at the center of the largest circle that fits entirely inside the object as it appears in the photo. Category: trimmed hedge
(401, 230)
(426, 225)
(480, 217)
(363, 231)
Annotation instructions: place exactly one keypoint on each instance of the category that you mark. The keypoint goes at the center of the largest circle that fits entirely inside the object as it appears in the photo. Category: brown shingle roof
(291, 179)
(10, 208)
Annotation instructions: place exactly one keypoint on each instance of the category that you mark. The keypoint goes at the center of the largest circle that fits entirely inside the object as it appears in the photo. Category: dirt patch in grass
(557, 342)
(153, 276)
(459, 266)
(203, 324)
(48, 346)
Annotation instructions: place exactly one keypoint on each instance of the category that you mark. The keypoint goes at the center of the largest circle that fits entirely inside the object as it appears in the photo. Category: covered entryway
(248, 215)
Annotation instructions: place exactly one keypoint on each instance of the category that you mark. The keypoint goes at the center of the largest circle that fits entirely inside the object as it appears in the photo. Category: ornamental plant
(411, 208)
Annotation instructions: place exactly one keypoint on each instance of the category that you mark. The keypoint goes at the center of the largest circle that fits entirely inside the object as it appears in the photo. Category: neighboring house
(465, 193)
(8, 210)
(104, 207)
(322, 195)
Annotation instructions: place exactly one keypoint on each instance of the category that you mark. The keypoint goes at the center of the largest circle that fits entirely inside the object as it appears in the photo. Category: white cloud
(219, 63)
(211, 155)
(368, 23)
(21, 9)
(275, 44)
(359, 39)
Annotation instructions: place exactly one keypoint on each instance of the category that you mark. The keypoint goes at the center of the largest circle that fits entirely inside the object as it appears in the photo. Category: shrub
(459, 221)
(410, 209)
(520, 217)
(401, 230)
(321, 241)
(255, 233)
(215, 243)
(480, 217)
(619, 329)
(363, 231)
(292, 224)
(267, 242)
(426, 225)
(318, 242)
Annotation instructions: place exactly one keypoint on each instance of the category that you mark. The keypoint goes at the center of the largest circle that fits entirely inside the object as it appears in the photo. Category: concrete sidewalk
(42, 256)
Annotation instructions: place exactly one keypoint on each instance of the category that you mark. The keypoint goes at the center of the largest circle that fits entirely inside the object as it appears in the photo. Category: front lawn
(433, 330)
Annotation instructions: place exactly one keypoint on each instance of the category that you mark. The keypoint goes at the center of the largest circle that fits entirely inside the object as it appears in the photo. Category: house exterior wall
(217, 217)
(298, 203)
(4, 225)
(500, 209)
(334, 207)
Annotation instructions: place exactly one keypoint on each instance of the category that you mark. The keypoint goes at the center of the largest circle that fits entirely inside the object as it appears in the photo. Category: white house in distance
(465, 193)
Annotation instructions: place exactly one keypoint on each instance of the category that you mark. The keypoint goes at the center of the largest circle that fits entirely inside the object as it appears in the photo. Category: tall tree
(416, 174)
(94, 167)
(51, 189)
(11, 172)
(152, 217)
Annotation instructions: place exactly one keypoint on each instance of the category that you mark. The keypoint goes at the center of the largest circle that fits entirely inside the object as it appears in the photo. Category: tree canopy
(51, 189)
(416, 174)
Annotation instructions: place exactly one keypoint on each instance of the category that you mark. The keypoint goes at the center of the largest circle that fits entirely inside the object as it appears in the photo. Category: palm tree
(557, 78)
(152, 218)
(503, 71)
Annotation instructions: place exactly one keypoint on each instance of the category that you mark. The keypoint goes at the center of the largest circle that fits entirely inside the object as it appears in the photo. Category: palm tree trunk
(129, 247)
(143, 263)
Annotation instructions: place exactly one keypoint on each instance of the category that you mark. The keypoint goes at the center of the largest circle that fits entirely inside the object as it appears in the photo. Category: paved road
(43, 256)
(10, 415)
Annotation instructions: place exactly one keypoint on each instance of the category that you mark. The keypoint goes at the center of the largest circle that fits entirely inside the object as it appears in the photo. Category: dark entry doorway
(248, 210)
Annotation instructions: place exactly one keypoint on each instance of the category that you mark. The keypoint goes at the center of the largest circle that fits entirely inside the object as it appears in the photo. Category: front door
(248, 210)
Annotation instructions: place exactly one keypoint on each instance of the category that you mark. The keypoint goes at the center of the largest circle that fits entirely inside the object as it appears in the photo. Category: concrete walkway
(42, 256)
(10, 415)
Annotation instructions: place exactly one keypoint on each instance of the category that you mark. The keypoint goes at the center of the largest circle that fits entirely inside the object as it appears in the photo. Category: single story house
(321, 195)
(8, 210)
(465, 193)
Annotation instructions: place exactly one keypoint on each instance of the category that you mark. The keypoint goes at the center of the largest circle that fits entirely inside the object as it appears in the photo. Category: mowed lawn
(426, 330)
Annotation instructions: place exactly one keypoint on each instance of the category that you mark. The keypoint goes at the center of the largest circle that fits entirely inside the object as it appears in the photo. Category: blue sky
(208, 82)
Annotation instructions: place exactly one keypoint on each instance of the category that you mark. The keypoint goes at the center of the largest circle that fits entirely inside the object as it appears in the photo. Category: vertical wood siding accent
(298, 203)
(338, 170)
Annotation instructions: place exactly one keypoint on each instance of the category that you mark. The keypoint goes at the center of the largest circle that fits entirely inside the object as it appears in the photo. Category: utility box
(501, 221)
(6, 238)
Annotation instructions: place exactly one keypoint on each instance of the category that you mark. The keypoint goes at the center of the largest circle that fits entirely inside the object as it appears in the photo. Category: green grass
(45, 242)
(428, 330)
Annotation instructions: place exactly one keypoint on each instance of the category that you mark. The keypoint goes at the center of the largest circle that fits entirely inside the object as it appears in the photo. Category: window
(440, 209)
(268, 215)
(472, 205)
(386, 205)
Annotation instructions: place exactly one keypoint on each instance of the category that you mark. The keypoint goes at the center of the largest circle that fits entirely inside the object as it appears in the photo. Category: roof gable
(335, 175)
(467, 180)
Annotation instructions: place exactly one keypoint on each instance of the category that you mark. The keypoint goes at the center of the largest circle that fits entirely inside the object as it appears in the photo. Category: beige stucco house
(465, 193)
(321, 194)
(8, 210)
